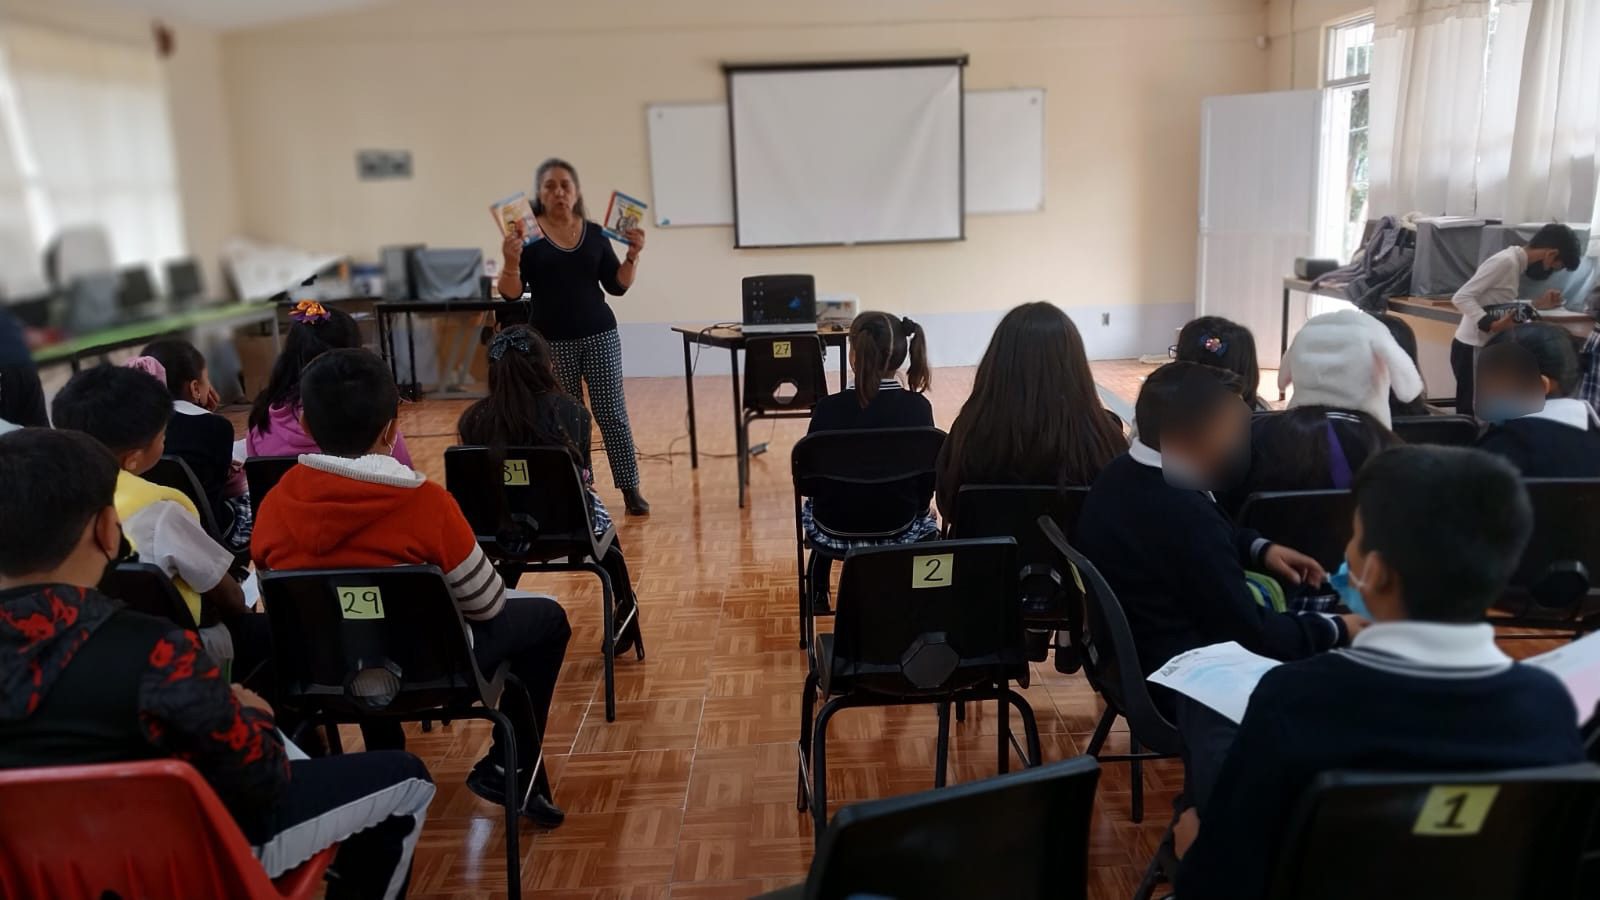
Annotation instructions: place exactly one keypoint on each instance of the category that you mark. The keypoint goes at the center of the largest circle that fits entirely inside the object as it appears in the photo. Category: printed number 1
(1455, 810)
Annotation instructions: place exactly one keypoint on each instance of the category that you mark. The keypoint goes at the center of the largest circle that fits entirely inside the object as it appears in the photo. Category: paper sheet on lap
(1222, 676)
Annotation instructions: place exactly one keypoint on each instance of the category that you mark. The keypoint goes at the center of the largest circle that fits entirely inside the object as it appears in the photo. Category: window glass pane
(1350, 50)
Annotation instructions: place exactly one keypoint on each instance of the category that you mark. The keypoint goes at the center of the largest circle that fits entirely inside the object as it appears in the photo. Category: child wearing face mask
(1525, 379)
(1177, 563)
(1438, 533)
(1497, 281)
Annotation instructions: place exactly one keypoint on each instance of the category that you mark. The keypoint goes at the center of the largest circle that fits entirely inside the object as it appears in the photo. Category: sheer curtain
(94, 112)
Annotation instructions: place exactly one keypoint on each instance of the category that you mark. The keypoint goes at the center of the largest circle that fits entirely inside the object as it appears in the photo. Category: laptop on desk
(780, 304)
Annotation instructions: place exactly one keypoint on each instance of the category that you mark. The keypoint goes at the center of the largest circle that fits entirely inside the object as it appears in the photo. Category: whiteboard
(689, 164)
(692, 175)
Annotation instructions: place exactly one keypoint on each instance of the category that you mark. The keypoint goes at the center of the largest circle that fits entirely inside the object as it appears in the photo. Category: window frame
(1330, 33)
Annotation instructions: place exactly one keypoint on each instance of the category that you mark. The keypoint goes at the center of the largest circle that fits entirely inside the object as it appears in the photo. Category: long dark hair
(1033, 416)
(879, 346)
(1293, 452)
(521, 409)
(1215, 341)
(182, 360)
(308, 338)
(1407, 339)
(538, 181)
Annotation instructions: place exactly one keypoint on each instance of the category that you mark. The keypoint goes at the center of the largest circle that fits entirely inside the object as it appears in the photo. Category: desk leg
(844, 370)
(411, 345)
(688, 389)
(277, 335)
(1283, 337)
(740, 452)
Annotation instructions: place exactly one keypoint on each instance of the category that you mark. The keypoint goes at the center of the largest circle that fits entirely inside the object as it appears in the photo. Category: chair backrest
(173, 472)
(131, 829)
(147, 589)
(1317, 523)
(262, 474)
(531, 503)
(928, 618)
(331, 625)
(1448, 431)
(1111, 661)
(867, 459)
(1497, 834)
(783, 373)
(1048, 591)
(1566, 531)
(1021, 836)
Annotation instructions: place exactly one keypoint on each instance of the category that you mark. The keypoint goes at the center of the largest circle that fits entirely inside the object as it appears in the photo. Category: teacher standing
(568, 269)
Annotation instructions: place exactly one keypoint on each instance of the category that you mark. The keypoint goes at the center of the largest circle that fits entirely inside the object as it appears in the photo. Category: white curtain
(1426, 103)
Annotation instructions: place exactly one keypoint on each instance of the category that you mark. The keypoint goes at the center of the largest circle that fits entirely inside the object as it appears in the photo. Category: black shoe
(542, 812)
(488, 781)
(635, 502)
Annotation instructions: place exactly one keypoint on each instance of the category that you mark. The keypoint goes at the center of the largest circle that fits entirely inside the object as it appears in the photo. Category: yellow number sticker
(360, 603)
(516, 473)
(1455, 809)
(782, 350)
(935, 571)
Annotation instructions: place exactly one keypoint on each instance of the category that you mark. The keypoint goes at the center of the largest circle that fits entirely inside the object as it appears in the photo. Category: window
(1347, 70)
(85, 139)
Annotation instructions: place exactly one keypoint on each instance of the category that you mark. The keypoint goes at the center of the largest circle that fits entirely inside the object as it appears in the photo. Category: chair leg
(1003, 729)
(1136, 774)
(807, 581)
(819, 769)
(1147, 884)
(941, 756)
(808, 700)
(513, 835)
(1101, 731)
(961, 710)
(1030, 729)
(331, 731)
(741, 441)
(609, 643)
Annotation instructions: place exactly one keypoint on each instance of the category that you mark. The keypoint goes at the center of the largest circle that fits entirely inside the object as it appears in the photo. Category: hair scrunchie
(510, 339)
(150, 366)
(309, 311)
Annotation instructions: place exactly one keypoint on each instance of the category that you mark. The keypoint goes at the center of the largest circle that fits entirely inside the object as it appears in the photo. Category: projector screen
(846, 153)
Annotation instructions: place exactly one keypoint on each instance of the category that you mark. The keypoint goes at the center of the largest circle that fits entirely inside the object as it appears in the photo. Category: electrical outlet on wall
(1105, 318)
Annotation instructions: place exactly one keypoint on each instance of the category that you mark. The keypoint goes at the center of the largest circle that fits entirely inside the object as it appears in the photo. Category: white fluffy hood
(1349, 360)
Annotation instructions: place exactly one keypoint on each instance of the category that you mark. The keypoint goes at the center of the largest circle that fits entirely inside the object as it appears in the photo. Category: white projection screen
(846, 153)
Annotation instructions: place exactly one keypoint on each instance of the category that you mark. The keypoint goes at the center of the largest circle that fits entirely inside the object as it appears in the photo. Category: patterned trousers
(597, 360)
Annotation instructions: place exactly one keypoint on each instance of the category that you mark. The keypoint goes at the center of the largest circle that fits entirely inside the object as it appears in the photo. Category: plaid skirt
(924, 528)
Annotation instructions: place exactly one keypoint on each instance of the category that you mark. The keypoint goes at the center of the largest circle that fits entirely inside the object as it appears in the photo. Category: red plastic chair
(133, 829)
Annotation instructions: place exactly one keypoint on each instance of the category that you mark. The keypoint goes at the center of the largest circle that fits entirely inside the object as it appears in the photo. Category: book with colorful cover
(509, 211)
(623, 214)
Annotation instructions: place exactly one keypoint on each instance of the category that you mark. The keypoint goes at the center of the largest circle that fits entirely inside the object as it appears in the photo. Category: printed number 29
(360, 603)
(933, 571)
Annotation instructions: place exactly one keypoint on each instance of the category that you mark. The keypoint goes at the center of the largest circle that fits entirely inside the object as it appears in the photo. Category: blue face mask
(1500, 409)
(1349, 588)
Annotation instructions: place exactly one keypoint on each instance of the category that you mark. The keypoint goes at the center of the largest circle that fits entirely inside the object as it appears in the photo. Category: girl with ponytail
(881, 344)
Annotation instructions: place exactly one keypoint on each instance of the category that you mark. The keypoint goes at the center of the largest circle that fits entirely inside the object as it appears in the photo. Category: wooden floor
(690, 793)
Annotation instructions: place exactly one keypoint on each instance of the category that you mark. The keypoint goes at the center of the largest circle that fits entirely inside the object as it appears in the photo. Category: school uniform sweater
(892, 407)
(204, 440)
(329, 512)
(1560, 441)
(1405, 697)
(1177, 564)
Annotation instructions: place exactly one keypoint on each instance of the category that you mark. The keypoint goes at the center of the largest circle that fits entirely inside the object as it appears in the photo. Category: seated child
(527, 408)
(85, 680)
(1034, 416)
(1438, 533)
(127, 411)
(1349, 360)
(1309, 448)
(203, 439)
(1526, 377)
(1407, 340)
(274, 421)
(1175, 560)
(1219, 342)
(356, 506)
(880, 344)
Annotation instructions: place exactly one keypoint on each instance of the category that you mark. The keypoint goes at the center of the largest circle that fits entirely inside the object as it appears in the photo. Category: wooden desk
(732, 338)
(117, 337)
(1440, 309)
(389, 308)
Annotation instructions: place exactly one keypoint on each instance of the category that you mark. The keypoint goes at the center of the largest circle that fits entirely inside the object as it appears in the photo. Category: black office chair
(783, 379)
(173, 472)
(1317, 523)
(1051, 599)
(1111, 663)
(530, 512)
(918, 623)
(396, 631)
(1023, 836)
(1555, 584)
(1519, 833)
(1446, 431)
(145, 588)
(262, 474)
(868, 461)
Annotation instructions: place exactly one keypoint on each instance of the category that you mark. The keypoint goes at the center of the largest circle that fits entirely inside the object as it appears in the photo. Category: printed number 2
(782, 350)
(1455, 810)
(516, 473)
(934, 571)
(360, 603)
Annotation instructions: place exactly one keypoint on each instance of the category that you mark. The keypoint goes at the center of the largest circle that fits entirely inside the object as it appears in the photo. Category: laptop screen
(780, 300)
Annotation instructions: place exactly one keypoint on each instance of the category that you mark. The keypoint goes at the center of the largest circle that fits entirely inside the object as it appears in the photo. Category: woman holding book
(568, 267)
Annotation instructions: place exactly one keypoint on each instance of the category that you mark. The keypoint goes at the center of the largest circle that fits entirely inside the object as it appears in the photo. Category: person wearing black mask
(1497, 282)
(1153, 528)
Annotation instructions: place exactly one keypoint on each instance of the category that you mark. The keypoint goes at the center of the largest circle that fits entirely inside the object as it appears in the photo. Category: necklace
(569, 235)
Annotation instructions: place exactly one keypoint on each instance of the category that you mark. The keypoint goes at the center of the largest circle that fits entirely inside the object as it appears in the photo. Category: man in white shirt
(1553, 248)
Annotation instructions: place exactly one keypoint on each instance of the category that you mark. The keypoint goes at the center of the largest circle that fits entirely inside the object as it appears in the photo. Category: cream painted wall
(480, 92)
(1295, 29)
